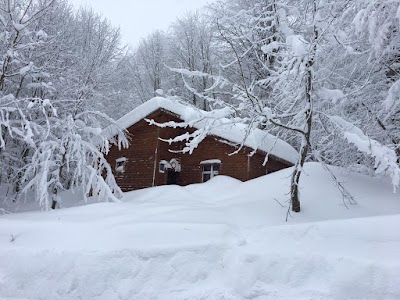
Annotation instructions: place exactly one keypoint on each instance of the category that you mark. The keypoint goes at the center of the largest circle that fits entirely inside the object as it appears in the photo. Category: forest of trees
(323, 75)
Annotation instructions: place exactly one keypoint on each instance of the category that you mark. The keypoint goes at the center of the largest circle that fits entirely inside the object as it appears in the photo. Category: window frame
(120, 165)
(214, 171)
(162, 166)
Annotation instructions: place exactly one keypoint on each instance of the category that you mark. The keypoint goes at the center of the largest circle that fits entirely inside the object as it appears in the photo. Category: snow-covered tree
(148, 65)
(374, 33)
(50, 140)
(73, 156)
(191, 48)
(290, 82)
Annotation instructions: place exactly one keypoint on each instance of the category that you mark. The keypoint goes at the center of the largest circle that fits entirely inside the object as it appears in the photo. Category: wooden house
(151, 161)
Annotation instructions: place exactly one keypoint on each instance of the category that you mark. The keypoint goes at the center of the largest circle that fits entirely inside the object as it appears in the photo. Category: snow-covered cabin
(150, 161)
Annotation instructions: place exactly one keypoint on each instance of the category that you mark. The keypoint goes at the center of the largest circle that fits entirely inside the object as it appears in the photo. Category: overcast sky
(138, 18)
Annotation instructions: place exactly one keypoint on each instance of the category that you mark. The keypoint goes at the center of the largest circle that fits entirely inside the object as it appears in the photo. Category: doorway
(172, 177)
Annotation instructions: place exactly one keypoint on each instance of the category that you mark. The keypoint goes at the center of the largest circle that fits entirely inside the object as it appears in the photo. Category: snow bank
(315, 261)
(222, 127)
(224, 239)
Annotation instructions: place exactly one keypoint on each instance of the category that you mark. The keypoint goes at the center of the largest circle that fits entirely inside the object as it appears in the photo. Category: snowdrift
(220, 240)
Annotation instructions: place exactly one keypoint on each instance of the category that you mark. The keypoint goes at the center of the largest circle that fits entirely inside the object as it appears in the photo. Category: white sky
(138, 18)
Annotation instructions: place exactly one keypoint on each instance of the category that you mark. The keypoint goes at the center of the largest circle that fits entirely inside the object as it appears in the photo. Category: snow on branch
(16, 118)
(73, 156)
(392, 101)
(385, 157)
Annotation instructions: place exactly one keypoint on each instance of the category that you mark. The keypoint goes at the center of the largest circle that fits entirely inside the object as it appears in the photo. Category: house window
(162, 167)
(120, 165)
(210, 170)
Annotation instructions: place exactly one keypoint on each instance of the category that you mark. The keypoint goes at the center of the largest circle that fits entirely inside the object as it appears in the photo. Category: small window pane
(216, 167)
(120, 167)
(207, 168)
(206, 177)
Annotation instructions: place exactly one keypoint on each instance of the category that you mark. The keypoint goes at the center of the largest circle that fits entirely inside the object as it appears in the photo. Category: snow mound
(222, 181)
(218, 182)
(220, 240)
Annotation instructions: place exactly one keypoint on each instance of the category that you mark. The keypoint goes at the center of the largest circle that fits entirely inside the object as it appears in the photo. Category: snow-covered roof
(225, 129)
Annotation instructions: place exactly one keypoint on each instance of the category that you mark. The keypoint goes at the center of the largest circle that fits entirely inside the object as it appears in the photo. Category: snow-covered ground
(220, 240)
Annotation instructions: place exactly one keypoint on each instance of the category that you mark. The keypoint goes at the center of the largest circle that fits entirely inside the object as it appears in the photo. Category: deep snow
(220, 240)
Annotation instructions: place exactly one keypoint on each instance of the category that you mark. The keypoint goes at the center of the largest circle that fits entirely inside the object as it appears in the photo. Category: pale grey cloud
(137, 18)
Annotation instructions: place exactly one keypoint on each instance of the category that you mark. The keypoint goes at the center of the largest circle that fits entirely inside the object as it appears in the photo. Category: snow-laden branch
(73, 157)
(385, 157)
(19, 118)
(392, 101)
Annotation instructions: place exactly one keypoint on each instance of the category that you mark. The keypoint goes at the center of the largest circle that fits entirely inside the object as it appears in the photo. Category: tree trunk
(306, 135)
(294, 191)
(53, 204)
